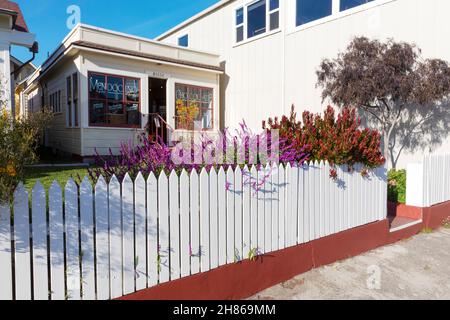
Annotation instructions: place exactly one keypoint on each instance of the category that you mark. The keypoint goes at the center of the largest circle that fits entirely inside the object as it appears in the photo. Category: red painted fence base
(242, 280)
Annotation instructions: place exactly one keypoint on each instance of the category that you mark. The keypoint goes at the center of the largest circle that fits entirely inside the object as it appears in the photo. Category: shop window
(194, 107)
(114, 101)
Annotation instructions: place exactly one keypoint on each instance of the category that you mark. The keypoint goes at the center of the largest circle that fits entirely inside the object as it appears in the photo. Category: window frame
(106, 100)
(212, 107)
(268, 32)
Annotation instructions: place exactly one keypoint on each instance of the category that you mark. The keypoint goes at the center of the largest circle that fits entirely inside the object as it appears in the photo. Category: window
(72, 100)
(69, 101)
(239, 24)
(310, 10)
(348, 4)
(183, 41)
(274, 14)
(114, 101)
(55, 102)
(75, 98)
(256, 16)
(194, 107)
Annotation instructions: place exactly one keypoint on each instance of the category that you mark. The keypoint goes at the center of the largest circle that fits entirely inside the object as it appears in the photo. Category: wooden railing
(158, 129)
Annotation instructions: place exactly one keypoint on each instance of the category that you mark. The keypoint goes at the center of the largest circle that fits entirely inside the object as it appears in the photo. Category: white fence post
(415, 185)
(6, 279)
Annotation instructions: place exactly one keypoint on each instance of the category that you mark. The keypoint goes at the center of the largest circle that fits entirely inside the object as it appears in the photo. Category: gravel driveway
(417, 268)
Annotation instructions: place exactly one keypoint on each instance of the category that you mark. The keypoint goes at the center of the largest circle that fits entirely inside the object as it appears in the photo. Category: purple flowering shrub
(207, 152)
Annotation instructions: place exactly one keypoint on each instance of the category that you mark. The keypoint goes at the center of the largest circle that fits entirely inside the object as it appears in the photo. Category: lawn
(49, 174)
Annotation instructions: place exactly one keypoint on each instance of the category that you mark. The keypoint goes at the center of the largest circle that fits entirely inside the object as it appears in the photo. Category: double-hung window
(257, 18)
(239, 24)
(274, 14)
(72, 100)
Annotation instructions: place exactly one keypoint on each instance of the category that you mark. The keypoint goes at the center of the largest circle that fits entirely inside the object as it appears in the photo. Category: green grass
(397, 186)
(47, 175)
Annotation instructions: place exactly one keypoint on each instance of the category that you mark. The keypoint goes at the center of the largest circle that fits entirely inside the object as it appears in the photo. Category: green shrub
(397, 186)
(19, 140)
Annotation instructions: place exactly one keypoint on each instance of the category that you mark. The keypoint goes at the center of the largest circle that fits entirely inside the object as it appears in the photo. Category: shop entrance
(157, 122)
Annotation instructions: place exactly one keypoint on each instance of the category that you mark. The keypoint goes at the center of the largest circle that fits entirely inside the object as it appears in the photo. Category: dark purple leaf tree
(395, 89)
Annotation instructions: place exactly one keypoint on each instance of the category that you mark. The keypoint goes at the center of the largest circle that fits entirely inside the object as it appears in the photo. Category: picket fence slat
(128, 259)
(222, 216)
(238, 207)
(39, 240)
(152, 231)
(246, 212)
(275, 207)
(22, 244)
(267, 191)
(175, 270)
(6, 279)
(140, 221)
(230, 216)
(214, 220)
(141, 233)
(195, 223)
(87, 240)
(185, 246)
(254, 209)
(204, 222)
(164, 240)
(282, 207)
(115, 236)
(56, 230)
(102, 239)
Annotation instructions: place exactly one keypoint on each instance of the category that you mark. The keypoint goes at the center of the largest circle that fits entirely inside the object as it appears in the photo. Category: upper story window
(348, 4)
(114, 101)
(310, 10)
(274, 14)
(257, 18)
(183, 41)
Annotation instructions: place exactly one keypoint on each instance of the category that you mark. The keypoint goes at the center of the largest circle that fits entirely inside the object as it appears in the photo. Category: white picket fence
(428, 182)
(121, 238)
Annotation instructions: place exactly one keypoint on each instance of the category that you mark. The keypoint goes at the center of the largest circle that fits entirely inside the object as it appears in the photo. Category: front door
(157, 126)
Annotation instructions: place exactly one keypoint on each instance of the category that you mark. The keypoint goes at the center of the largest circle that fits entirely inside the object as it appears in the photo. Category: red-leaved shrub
(338, 140)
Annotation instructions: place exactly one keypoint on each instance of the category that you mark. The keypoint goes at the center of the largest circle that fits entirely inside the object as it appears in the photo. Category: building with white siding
(271, 49)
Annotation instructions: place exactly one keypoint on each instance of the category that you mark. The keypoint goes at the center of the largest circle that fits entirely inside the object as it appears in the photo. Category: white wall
(266, 76)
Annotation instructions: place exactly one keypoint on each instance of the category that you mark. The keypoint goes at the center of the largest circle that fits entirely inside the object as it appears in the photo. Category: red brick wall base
(244, 279)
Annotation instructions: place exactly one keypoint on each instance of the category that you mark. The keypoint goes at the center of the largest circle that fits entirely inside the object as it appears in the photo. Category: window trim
(212, 107)
(124, 126)
(268, 32)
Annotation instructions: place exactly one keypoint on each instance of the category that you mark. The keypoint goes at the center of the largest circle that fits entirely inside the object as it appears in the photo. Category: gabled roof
(198, 16)
(13, 9)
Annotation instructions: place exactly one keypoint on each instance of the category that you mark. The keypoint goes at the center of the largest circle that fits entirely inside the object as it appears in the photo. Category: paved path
(417, 268)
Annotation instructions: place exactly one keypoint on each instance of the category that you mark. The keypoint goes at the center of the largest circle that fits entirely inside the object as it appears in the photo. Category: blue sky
(146, 18)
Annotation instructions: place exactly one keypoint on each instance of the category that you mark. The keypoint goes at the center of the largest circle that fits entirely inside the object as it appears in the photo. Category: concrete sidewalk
(417, 268)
